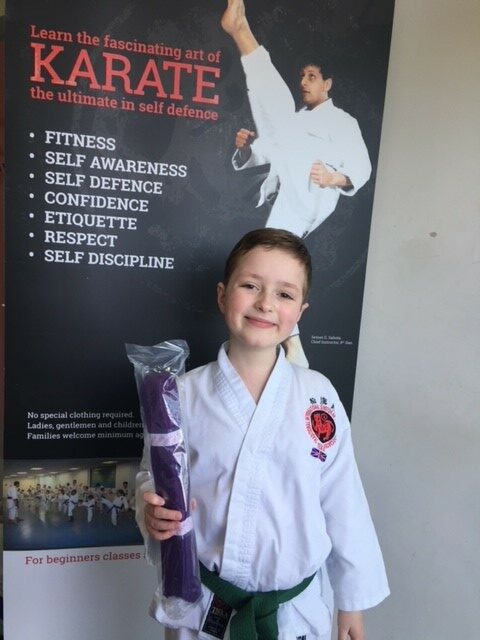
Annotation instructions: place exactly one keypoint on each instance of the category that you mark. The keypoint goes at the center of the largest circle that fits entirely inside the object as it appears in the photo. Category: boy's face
(313, 86)
(263, 299)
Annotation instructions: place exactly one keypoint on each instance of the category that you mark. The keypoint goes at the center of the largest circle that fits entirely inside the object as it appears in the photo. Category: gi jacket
(278, 493)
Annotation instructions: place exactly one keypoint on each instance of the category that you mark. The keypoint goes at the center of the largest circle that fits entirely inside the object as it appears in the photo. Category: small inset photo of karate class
(60, 504)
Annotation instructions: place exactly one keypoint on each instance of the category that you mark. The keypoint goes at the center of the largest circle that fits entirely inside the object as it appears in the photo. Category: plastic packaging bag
(156, 373)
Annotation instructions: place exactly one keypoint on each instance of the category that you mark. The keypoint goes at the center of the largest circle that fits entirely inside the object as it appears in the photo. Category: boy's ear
(221, 296)
(328, 84)
(303, 308)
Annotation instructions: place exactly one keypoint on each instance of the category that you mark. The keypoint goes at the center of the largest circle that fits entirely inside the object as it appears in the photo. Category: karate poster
(124, 194)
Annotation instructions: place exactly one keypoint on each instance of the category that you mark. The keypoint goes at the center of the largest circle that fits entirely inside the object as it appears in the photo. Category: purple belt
(155, 372)
(161, 411)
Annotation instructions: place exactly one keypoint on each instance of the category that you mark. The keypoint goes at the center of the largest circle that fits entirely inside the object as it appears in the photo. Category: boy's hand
(350, 625)
(161, 523)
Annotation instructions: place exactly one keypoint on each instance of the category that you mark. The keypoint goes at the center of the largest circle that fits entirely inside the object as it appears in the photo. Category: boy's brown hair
(271, 239)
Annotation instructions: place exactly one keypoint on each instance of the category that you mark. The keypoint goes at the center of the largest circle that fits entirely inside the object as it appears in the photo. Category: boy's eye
(285, 295)
(248, 285)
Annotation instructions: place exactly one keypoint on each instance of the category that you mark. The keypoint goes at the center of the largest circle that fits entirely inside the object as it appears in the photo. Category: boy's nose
(264, 303)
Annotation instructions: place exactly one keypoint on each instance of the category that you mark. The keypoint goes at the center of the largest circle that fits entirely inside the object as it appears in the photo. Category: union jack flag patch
(321, 455)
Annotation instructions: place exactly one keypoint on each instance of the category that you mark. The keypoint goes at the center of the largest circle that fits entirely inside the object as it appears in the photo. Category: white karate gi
(114, 506)
(292, 141)
(90, 506)
(269, 513)
(42, 504)
(60, 501)
(72, 503)
(38, 500)
(12, 503)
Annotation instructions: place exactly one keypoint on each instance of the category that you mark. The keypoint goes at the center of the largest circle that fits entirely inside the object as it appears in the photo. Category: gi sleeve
(355, 163)
(355, 564)
(257, 157)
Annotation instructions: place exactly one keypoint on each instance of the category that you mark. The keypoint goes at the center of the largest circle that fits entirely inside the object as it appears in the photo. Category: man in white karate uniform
(315, 154)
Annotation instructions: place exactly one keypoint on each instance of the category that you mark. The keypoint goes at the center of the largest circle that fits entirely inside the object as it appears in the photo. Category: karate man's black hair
(271, 239)
(319, 61)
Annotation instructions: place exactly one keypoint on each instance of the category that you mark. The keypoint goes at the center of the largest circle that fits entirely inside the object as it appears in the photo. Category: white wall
(416, 416)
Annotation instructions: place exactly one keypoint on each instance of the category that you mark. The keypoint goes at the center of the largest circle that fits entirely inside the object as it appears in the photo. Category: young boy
(276, 503)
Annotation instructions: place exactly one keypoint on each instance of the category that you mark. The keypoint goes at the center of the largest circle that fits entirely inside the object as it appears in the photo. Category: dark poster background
(68, 380)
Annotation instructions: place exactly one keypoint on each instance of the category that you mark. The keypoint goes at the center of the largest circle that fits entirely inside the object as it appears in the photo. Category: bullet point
(31, 254)
(31, 235)
(31, 196)
(32, 135)
(31, 215)
(31, 175)
(32, 155)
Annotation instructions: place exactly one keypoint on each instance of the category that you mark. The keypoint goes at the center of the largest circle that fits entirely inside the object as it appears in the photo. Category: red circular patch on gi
(323, 425)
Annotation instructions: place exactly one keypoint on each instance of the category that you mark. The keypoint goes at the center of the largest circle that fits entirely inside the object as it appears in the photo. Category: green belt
(256, 612)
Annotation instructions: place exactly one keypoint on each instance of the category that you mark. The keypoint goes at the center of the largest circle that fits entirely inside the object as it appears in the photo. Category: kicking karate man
(315, 154)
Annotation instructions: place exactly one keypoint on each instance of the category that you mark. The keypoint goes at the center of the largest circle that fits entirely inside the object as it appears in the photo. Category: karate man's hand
(161, 523)
(243, 141)
(324, 177)
(350, 625)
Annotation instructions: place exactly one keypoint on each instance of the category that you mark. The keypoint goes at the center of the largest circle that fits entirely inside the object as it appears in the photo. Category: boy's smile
(263, 300)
